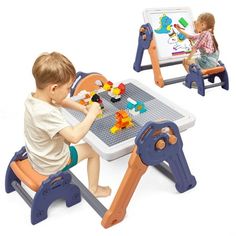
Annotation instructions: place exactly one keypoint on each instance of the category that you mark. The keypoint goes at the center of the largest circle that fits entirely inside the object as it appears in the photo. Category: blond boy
(47, 134)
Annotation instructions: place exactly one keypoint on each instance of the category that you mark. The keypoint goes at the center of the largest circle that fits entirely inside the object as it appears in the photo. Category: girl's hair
(209, 19)
(52, 68)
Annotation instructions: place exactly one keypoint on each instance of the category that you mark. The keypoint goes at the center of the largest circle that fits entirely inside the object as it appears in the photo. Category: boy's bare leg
(85, 151)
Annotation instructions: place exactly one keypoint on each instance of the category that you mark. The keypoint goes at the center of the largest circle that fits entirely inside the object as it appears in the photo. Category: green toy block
(183, 22)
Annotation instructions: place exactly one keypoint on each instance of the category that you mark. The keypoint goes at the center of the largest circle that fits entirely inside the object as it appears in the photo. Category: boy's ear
(53, 87)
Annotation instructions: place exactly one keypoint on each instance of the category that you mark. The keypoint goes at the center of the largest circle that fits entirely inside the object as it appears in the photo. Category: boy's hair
(209, 19)
(52, 68)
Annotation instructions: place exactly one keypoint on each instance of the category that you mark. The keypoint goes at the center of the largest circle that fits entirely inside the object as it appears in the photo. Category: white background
(102, 36)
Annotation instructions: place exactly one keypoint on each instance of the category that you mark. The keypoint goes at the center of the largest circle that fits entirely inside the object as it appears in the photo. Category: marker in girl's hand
(178, 26)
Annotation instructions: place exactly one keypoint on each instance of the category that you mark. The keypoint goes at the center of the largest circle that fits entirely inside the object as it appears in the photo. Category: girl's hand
(178, 27)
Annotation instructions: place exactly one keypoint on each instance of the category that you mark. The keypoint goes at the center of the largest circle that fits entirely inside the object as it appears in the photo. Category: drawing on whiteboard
(180, 44)
(165, 25)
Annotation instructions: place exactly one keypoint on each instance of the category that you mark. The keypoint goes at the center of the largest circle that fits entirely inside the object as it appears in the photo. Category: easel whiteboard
(171, 45)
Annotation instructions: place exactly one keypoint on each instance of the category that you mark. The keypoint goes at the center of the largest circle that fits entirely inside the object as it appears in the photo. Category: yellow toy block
(114, 129)
(116, 91)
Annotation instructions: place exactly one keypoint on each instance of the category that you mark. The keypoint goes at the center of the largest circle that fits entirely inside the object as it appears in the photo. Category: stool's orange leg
(133, 174)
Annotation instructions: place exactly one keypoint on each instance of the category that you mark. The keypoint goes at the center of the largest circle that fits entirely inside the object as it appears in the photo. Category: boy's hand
(84, 109)
(95, 109)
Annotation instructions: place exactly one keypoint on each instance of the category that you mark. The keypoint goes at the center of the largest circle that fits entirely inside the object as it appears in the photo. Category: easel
(146, 41)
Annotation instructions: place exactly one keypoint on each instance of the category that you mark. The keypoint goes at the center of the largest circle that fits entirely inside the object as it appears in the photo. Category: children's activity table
(111, 146)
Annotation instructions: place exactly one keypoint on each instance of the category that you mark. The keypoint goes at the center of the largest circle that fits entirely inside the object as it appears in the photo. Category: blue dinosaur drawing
(165, 23)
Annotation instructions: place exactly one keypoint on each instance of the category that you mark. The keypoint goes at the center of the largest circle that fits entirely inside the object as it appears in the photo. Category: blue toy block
(130, 106)
(139, 103)
(172, 153)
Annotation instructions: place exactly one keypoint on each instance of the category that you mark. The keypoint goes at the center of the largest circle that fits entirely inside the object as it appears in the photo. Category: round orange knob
(160, 144)
(142, 30)
(172, 139)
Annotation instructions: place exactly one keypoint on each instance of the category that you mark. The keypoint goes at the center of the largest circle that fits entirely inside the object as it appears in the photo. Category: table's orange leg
(117, 210)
